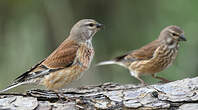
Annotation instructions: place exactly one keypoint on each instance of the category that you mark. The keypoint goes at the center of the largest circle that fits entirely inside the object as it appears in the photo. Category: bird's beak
(99, 26)
(182, 38)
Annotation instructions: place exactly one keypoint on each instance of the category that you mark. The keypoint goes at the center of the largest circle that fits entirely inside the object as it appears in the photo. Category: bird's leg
(142, 81)
(160, 78)
(136, 75)
(58, 95)
(61, 96)
(67, 99)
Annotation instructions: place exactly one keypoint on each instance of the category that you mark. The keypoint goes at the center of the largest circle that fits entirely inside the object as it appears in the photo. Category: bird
(153, 57)
(66, 63)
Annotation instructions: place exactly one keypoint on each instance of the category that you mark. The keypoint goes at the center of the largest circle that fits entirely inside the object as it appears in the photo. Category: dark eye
(91, 24)
(174, 34)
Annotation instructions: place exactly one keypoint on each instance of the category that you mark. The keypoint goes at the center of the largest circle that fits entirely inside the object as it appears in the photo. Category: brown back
(144, 53)
(63, 56)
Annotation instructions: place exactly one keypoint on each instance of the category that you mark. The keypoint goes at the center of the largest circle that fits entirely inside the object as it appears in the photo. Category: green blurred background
(31, 29)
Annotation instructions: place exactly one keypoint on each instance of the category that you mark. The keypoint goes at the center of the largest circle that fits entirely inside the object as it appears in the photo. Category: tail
(12, 86)
(106, 63)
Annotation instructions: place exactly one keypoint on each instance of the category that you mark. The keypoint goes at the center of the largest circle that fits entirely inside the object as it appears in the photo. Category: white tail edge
(12, 86)
(106, 63)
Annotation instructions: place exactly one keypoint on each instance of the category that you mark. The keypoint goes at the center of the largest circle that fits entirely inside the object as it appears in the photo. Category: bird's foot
(143, 84)
(164, 81)
(62, 98)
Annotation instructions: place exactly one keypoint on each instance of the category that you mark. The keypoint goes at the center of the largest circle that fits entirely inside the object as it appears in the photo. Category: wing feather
(144, 53)
(62, 57)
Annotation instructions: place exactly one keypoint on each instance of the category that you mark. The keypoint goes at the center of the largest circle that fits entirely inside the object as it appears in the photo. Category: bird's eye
(91, 24)
(174, 34)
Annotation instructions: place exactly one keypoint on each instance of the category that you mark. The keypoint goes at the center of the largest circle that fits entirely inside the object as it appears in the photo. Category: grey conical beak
(182, 38)
(98, 25)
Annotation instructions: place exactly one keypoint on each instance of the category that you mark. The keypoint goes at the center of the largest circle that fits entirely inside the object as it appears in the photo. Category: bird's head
(85, 29)
(171, 35)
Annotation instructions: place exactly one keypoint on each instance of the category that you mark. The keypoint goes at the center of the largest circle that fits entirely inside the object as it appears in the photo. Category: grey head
(171, 35)
(84, 30)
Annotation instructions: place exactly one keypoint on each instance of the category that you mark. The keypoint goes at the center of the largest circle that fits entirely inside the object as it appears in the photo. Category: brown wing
(143, 53)
(63, 56)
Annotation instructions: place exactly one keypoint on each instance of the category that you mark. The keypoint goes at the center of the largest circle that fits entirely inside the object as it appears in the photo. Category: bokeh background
(31, 29)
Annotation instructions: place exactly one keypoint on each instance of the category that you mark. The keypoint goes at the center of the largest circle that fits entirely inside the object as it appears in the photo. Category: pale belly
(154, 65)
(59, 79)
(63, 77)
